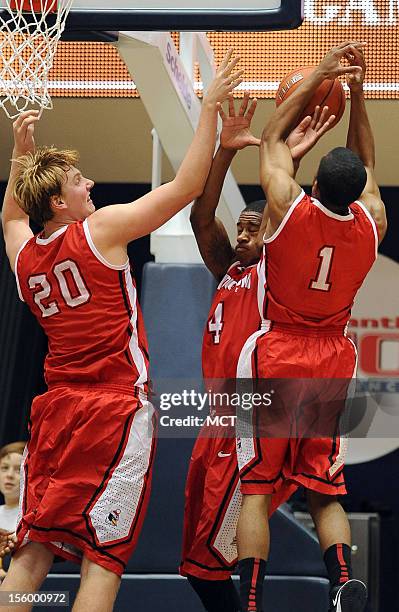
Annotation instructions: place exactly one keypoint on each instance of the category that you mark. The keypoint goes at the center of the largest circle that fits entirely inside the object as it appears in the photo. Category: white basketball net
(27, 47)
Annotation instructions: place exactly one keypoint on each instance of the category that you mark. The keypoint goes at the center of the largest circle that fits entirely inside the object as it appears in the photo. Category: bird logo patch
(113, 517)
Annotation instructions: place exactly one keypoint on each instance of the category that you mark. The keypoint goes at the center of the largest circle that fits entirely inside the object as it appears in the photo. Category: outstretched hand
(355, 80)
(236, 133)
(7, 542)
(24, 130)
(226, 79)
(304, 137)
(330, 66)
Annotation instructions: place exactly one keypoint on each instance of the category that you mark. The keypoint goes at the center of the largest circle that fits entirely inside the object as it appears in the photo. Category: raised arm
(15, 222)
(361, 141)
(210, 233)
(113, 227)
(276, 165)
(301, 140)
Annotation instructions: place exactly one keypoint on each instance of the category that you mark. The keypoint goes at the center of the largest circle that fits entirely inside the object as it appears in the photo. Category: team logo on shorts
(113, 517)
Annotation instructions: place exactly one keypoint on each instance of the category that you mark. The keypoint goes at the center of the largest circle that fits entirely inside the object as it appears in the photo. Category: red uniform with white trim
(234, 315)
(213, 497)
(87, 470)
(315, 263)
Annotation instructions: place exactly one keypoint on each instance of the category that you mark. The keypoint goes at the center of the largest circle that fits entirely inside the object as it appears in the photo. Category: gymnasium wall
(114, 139)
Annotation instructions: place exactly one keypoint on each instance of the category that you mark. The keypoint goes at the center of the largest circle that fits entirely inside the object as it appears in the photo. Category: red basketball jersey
(234, 316)
(87, 307)
(316, 262)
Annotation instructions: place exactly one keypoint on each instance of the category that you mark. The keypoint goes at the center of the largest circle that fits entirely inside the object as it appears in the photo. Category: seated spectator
(10, 464)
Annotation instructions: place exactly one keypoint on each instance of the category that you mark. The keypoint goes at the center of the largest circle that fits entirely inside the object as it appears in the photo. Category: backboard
(183, 15)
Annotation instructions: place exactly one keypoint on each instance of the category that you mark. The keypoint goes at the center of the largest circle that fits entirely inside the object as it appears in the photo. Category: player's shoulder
(237, 270)
(40, 245)
(370, 210)
(297, 213)
(364, 212)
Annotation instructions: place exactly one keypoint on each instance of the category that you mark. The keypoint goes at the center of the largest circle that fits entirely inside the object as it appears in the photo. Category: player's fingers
(351, 43)
(222, 114)
(252, 109)
(304, 124)
(235, 76)
(232, 110)
(229, 69)
(28, 124)
(244, 105)
(326, 126)
(346, 51)
(226, 59)
(25, 115)
(315, 117)
(356, 55)
(235, 83)
(322, 118)
(349, 70)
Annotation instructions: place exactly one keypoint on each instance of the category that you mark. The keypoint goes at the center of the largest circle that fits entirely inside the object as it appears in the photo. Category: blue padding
(159, 547)
(294, 549)
(176, 299)
(173, 594)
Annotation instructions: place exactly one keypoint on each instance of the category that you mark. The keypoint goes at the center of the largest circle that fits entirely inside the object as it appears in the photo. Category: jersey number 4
(61, 271)
(215, 324)
(320, 283)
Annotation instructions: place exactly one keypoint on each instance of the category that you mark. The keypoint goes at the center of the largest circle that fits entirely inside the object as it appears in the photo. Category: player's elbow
(195, 194)
(265, 136)
(188, 191)
(197, 188)
(269, 135)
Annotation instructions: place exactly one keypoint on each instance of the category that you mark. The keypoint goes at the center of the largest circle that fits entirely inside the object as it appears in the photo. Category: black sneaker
(350, 597)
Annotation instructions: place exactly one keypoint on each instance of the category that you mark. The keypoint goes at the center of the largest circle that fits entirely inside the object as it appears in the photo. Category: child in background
(10, 464)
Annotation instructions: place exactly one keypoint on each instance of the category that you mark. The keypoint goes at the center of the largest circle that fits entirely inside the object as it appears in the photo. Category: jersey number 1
(321, 281)
(82, 294)
(215, 324)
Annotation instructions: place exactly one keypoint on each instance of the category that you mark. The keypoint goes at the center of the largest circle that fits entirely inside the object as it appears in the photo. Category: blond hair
(41, 177)
(13, 447)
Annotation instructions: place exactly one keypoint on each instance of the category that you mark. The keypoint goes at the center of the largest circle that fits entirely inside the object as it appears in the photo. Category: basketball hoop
(29, 35)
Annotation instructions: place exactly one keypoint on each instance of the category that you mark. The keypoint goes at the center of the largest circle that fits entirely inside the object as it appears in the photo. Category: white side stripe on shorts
(344, 441)
(134, 348)
(225, 541)
(244, 432)
(113, 513)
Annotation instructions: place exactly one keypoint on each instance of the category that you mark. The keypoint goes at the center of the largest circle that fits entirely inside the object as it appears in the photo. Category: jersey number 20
(81, 296)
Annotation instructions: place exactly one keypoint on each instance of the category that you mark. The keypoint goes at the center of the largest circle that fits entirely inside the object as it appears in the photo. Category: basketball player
(318, 252)
(213, 497)
(88, 462)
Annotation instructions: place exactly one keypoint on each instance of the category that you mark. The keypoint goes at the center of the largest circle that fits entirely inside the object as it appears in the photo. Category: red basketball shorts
(296, 441)
(212, 506)
(86, 473)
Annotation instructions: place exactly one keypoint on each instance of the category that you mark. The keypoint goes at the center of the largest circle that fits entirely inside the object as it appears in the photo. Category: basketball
(329, 93)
